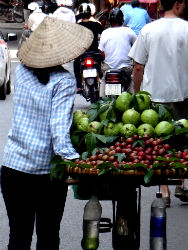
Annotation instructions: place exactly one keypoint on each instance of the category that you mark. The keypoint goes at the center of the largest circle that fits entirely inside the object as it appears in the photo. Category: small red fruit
(135, 137)
(166, 146)
(118, 149)
(117, 144)
(129, 140)
(99, 157)
(112, 158)
(161, 151)
(123, 144)
(148, 157)
(112, 147)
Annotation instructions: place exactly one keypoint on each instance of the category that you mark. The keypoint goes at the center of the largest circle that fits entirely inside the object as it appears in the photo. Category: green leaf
(181, 131)
(94, 151)
(164, 138)
(103, 108)
(56, 160)
(161, 112)
(105, 122)
(90, 140)
(148, 176)
(110, 139)
(126, 166)
(178, 165)
(139, 165)
(138, 142)
(159, 165)
(85, 165)
(93, 106)
(58, 167)
(105, 165)
(101, 138)
(93, 113)
(104, 171)
(161, 158)
(56, 173)
(106, 139)
(120, 157)
(84, 155)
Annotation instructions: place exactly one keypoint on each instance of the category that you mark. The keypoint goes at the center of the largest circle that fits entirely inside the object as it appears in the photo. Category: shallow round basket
(168, 173)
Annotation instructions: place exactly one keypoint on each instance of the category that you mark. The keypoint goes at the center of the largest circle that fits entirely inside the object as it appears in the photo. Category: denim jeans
(33, 199)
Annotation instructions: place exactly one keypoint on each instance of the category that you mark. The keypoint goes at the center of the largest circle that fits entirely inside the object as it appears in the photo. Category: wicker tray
(168, 173)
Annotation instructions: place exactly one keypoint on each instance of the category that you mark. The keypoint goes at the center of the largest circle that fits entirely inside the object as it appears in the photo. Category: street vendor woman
(43, 104)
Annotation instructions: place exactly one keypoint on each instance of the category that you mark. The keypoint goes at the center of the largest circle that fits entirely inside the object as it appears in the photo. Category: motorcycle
(13, 12)
(116, 82)
(90, 66)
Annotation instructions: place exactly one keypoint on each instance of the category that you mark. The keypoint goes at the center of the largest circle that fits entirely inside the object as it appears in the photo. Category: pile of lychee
(145, 153)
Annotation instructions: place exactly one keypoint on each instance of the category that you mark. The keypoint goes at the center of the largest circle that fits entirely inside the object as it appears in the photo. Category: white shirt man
(162, 46)
(116, 43)
(35, 19)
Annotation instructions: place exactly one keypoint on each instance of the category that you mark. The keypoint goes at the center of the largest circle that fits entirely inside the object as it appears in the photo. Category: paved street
(71, 227)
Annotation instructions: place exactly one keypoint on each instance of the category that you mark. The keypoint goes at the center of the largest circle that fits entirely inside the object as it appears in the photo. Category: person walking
(96, 28)
(115, 43)
(43, 110)
(161, 63)
(35, 18)
(64, 12)
(137, 17)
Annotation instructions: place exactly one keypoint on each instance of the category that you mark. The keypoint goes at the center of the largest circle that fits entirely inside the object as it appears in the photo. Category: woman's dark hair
(135, 3)
(43, 74)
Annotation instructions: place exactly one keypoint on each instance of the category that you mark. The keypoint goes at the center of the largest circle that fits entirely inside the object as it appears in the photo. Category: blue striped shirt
(41, 122)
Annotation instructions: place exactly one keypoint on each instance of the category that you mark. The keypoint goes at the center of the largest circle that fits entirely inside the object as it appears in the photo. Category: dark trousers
(33, 198)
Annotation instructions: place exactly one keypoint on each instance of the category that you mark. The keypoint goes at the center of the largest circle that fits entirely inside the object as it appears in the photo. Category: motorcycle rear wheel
(93, 94)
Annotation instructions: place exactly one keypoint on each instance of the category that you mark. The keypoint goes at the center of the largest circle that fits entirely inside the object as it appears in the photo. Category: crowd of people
(44, 94)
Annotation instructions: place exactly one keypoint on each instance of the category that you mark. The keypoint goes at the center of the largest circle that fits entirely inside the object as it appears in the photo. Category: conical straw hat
(53, 43)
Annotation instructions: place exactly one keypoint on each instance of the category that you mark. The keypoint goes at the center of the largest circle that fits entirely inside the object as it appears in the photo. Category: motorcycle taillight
(112, 78)
(88, 62)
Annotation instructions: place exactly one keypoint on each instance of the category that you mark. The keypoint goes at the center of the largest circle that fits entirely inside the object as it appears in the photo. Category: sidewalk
(10, 25)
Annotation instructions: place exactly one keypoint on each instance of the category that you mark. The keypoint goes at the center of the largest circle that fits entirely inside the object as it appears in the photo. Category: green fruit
(150, 116)
(95, 127)
(128, 130)
(120, 125)
(83, 123)
(184, 122)
(77, 115)
(164, 128)
(143, 101)
(145, 129)
(123, 101)
(112, 129)
(103, 115)
(131, 116)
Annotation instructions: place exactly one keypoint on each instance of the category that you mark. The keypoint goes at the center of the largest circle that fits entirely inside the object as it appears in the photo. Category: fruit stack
(128, 153)
(128, 131)
(127, 115)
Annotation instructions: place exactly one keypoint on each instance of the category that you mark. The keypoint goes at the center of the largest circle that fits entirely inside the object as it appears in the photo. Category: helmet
(84, 10)
(116, 16)
(67, 3)
(33, 6)
(93, 8)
